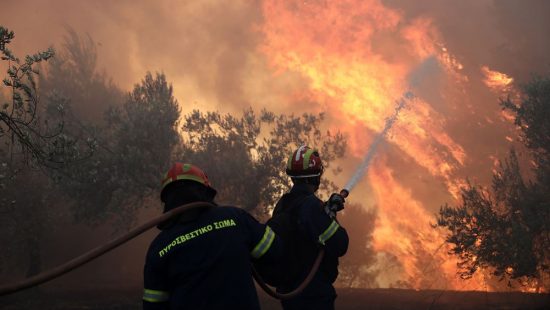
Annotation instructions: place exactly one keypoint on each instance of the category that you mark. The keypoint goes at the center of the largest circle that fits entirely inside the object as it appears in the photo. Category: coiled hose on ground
(97, 252)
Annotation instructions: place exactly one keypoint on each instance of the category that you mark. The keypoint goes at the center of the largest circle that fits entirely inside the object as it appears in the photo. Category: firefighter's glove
(334, 204)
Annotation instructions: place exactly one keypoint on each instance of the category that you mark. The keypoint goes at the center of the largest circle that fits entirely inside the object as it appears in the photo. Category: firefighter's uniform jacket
(206, 263)
(318, 228)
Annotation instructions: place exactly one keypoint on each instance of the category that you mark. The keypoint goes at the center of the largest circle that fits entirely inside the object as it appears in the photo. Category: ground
(347, 299)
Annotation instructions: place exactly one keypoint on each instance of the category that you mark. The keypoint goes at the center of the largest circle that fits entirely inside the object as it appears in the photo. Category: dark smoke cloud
(507, 35)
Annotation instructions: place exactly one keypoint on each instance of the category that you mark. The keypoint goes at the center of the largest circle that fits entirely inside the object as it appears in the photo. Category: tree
(73, 74)
(34, 138)
(508, 229)
(135, 147)
(133, 144)
(20, 127)
(245, 156)
(533, 118)
(27, 129)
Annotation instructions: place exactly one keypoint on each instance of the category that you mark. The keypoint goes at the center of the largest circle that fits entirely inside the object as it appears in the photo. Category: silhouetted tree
(34, 138)
(508, 230)
(133, 144)
(23, 131)
(134, 148)
(245, 157)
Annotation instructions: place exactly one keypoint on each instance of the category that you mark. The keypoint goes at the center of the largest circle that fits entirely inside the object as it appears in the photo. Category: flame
(497, 81)
(335, 54)
(404, 230)
(358, 75)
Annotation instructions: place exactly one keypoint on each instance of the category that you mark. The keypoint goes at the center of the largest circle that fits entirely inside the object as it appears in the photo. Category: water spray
(357, 176)
(364, 166)
(429, 66)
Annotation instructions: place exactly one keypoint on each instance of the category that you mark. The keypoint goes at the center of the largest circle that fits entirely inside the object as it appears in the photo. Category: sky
(349, 59)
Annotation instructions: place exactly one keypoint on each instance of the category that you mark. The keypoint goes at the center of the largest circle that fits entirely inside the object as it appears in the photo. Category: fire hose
(95, 253)
(344, 193)
(357, 176)
(99, 251)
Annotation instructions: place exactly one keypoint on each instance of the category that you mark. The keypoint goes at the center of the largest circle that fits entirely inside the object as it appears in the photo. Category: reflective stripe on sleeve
(264, 244)
(155, 296)
(328, 232)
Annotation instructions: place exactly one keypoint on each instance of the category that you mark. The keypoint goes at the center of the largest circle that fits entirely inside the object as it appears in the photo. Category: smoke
(507, 35)
(207, 49)
(358, 55)
(416, 78)
(349, 60)
(362, 169)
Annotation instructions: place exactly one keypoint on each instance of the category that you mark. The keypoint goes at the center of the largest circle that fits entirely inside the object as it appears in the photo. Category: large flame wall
(359, 57)
(351, 60)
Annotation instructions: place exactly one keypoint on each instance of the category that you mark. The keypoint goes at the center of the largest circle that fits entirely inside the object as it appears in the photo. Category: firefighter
(202, 260)
(314, 226)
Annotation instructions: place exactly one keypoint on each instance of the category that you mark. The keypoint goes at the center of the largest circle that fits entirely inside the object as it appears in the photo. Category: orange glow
(403, 226)
(334, 54)
(496, 81)
(352, 60)
(331, 45)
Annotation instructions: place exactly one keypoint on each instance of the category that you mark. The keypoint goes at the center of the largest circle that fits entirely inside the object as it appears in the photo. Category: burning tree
(508, 229)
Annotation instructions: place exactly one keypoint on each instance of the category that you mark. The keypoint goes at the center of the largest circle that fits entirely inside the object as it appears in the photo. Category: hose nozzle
(344, 193)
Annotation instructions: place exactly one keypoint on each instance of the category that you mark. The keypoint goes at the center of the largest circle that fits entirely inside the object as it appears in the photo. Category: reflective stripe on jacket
(205, 263)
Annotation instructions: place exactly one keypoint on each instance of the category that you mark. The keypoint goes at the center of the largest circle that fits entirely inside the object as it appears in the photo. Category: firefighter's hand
(334, 204)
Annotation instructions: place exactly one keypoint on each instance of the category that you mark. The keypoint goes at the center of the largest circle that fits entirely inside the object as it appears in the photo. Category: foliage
(508, 230)
(533, 114)
(134, 148)
(33, 137)
(245, 156)
(127, 147)
(533, 118)
(27, 129)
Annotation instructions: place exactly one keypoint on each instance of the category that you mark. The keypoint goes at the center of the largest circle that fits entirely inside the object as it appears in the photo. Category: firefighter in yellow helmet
(202, 260)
